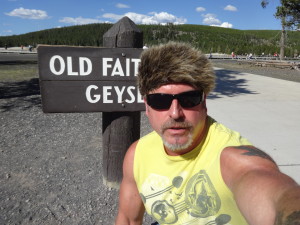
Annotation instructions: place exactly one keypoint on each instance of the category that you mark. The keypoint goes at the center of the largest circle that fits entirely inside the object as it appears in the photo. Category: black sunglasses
(163, 101)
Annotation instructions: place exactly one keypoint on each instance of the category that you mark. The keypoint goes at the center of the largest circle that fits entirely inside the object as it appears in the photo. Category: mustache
(173, 123)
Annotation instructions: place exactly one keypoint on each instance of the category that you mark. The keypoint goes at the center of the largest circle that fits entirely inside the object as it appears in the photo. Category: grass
(18, 71)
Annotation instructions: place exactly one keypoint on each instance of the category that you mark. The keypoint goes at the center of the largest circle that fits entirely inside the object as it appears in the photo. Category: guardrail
(276, 64)
(263, 61)
(18, 50)
(245, 57)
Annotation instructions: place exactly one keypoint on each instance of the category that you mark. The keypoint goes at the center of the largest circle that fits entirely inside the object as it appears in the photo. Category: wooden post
(120, 129)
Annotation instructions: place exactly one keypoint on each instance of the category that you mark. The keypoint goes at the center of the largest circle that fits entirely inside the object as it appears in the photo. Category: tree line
(289, 13)
(209, 39)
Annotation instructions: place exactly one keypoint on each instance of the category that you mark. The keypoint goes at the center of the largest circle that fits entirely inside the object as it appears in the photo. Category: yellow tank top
(187, 189)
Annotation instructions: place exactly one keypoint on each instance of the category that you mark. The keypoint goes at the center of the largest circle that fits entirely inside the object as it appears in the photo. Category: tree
(289, 14)
(289, 9)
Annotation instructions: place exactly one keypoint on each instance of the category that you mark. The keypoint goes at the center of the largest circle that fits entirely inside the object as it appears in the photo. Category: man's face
(180, 128)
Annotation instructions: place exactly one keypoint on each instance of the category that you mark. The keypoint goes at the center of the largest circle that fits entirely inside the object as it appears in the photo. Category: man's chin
(177, 146)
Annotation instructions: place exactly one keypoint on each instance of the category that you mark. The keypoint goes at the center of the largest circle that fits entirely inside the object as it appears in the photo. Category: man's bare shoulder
(129, 161)
(131, 150)
(236, 161)
(251, 151)
(247, 153)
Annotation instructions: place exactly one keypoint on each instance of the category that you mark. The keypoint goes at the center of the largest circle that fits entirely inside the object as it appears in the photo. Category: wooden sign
(89, 79)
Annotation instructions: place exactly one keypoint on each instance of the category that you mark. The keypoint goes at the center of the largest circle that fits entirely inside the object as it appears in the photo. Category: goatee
(178, 124)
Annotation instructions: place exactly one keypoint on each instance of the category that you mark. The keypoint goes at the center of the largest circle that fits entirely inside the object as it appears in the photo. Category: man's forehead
(173, 88)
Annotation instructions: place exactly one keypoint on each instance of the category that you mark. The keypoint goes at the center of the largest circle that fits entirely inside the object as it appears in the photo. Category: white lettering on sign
(70, 67)
(113, 67)
(84, 64)
(61, 62)
(84, 71)
(117, 70)
(89, 96)
(140, 98)
(106, 93)
(93, 96)
(105, 65)
(129, 91)
(119, 93)
(136, 66)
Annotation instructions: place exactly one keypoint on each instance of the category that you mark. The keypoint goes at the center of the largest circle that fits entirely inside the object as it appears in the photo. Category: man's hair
(174, 63)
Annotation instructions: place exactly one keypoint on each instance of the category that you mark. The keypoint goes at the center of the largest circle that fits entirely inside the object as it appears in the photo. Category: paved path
(25, 50)
(16, 57)
(263, 109)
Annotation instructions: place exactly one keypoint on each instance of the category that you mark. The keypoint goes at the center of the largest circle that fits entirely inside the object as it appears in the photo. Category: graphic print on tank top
(198, 202)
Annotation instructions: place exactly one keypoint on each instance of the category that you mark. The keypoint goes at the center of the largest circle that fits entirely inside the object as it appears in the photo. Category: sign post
(120, 129)
(93, 79)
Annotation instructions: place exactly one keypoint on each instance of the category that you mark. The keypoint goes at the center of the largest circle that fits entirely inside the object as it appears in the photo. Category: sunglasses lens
(190, 99)
(159, 101)
(162, 101)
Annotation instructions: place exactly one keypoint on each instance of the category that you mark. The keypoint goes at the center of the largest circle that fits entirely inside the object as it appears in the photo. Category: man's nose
(175, 110)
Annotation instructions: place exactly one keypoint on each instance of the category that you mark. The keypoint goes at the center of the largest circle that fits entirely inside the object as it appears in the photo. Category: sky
(24, 16)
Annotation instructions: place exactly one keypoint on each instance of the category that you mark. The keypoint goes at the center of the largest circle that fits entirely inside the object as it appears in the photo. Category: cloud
(6, 32)
(224, 25)
(79, 20)
(112, 16)
(34, 14)
(122, 6)
(200, 9)
(230, 8)
(152, 18)
(212, 20)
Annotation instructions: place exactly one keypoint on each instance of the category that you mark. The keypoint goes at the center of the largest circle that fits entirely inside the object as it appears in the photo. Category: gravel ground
(50, 164)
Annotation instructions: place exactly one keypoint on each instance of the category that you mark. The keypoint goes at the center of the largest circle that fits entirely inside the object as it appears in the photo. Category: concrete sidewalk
(264, 110)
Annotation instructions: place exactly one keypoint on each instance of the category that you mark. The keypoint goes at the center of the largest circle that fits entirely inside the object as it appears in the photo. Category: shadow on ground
(19, 89)
(25, 94)
(229, 83)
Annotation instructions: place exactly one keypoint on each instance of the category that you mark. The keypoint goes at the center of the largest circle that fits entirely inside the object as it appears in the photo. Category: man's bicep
(255, 181)
(131, 208)
(239, 160)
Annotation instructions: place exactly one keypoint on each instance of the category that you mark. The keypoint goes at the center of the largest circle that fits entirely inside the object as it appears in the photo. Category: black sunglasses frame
(162, 101)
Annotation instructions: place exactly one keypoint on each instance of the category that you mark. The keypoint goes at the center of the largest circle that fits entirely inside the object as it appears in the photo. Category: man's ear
(204, 102)
(146, 106)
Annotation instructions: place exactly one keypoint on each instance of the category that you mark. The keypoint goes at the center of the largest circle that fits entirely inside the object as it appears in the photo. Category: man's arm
(263, 194)
(131, 208)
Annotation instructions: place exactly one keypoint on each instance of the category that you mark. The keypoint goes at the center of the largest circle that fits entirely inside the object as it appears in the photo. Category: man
(192, 169)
